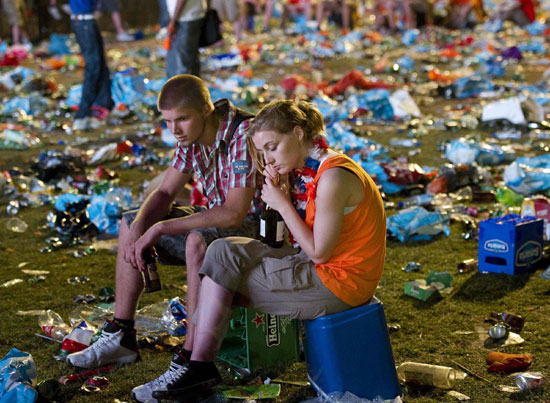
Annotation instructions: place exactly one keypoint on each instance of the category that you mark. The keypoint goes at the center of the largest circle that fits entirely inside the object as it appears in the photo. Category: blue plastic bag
(471, 86)
(417, 224)
(17, 377)
(59, 44)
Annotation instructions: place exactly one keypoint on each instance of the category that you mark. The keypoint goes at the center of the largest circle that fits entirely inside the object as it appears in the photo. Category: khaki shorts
(171, 248)
(228, 10)
(9, 7)
(278, 281)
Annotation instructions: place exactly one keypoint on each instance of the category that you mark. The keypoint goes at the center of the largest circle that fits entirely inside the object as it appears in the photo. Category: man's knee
(195, 246)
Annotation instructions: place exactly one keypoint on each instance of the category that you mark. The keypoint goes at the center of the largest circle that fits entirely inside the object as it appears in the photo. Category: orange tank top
(357, 261)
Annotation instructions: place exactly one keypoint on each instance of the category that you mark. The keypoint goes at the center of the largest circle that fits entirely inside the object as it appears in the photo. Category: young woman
(335, 215)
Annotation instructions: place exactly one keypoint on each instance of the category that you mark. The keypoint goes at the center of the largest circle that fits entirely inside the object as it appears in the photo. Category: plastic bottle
(409, 143)
(426, 374)
(17, 225)
(467, 265)
(418, 200)
(52, 325)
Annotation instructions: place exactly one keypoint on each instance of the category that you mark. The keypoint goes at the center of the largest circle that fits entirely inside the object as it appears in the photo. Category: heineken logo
(272, 335)
(496, 245)
(530, 252)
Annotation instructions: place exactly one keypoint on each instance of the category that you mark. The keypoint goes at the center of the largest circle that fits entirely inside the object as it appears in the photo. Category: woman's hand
(275, 189)
(148, 239)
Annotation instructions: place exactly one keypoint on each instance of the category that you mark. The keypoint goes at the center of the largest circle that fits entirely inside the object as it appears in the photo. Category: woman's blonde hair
(283, 116)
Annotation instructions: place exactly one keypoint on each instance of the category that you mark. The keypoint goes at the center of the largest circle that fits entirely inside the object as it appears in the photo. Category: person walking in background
(9, 7)
(96, 88)
(112, 7)
(229, 10)
(184, 28)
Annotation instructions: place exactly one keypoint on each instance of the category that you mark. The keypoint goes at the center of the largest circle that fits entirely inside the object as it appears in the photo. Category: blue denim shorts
(171, 248)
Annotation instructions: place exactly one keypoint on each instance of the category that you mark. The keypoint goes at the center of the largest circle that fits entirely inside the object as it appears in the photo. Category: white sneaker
(105, 351)
(124, 37)
(94, 123)
(81, 124)
(144, 393)
(66, 8)
(54, 12)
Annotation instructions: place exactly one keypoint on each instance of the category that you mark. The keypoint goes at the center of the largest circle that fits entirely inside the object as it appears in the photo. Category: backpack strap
(240, 116)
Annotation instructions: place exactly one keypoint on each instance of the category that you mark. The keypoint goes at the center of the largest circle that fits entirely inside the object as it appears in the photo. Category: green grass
(447, 331)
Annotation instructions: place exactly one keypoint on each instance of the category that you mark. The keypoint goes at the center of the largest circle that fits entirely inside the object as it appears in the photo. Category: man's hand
(148, 239)
(127, 248)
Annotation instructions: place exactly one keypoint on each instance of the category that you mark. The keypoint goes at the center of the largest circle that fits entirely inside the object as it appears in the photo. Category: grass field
(450, 331)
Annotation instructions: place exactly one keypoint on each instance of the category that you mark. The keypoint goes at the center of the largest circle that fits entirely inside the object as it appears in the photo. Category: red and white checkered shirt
(225, 165)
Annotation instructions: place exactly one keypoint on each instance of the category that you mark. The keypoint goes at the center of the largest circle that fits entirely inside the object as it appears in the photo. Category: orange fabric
(356, 265)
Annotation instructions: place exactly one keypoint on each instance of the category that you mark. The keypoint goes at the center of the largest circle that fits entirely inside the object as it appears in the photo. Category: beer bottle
(151, 279)
(271, 227)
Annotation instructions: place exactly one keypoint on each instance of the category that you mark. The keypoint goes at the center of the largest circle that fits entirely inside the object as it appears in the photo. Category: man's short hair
(184, 91)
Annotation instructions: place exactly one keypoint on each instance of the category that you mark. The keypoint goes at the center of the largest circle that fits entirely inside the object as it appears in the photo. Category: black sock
(185, 354)
(124, 324)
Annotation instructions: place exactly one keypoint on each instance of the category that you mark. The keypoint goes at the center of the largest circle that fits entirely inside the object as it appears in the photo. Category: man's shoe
(81, 124)
(124, 37)
(115, 347)
(144, 393)
(192, 379)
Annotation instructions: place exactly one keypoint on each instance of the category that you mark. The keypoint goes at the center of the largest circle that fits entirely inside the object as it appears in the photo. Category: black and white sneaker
(144, 393)
(195, 377)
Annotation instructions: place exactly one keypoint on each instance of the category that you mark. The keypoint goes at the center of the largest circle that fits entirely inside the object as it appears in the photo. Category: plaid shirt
(225, 165)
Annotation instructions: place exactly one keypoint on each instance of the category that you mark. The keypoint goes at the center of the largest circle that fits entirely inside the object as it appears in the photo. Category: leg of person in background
(268, 13)
(121, 34)
(345, 16)
(164, 17)
(87, 32)
(103, 98)
(183, 56)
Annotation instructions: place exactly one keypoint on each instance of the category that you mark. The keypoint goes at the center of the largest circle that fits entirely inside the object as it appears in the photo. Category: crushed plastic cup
(17, 225)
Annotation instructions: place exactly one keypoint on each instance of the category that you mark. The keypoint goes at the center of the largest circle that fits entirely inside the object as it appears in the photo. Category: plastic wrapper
(526, 179)
(59, 44)
(17, 378)
(505, 109)
(471, 86)
(105, 210)
(417, 224)
(464, 151)
(53, 165)
(31, 105)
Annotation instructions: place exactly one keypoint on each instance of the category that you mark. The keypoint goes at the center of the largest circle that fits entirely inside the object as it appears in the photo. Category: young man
(96, 87)
(214, 147)
(186, 19)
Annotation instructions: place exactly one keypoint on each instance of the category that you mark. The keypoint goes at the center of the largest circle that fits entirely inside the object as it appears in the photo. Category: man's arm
(229, 215)
(179, 6)
(157, 205)
(154, 209)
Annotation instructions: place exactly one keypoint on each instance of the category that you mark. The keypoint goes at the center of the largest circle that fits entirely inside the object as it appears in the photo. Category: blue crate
(510, 244)
(351, 351)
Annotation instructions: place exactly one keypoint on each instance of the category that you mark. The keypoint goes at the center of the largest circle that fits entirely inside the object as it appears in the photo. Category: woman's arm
(335, 189)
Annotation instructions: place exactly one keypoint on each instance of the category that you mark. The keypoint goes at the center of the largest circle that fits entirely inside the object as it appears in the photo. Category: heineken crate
(510, 244)
(259, 340)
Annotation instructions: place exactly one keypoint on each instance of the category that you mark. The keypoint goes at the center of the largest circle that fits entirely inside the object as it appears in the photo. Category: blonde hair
(184, 91)
(283, 116)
